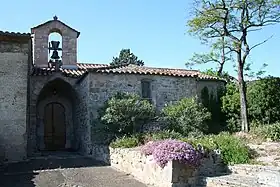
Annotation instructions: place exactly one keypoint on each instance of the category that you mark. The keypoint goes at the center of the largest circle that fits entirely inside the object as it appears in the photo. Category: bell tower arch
(46, 53)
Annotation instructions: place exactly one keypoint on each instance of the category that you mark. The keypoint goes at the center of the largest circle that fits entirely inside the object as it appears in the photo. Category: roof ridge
(171, 68)
(109, 67)
(53, 20)
(91, 63)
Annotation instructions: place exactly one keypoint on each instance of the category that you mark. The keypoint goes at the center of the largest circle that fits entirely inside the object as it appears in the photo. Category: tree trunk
(223, 58)
(242, 91)
(220, 70)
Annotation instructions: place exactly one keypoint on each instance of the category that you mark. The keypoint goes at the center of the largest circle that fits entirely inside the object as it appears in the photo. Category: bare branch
(261, 43)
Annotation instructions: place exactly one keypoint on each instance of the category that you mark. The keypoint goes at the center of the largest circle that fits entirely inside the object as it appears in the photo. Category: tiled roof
(134, 69)
(82, 69)
(127, 69)
(86, 66)
(6, 33)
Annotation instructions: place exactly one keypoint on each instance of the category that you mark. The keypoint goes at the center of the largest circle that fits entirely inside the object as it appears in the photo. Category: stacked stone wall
(14, 60)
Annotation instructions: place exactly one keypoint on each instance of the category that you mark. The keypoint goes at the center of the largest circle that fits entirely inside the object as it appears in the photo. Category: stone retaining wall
(144, 169)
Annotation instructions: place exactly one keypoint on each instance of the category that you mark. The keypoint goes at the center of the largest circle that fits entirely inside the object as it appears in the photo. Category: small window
(146, 90)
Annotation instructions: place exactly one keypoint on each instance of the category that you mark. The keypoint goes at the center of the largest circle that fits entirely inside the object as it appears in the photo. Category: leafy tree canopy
(126, 57)
(234, 20)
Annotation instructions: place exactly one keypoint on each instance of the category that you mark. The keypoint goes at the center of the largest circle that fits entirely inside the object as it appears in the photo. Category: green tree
(264, 100)
(234, 20)
(218, 55)
(126, 57)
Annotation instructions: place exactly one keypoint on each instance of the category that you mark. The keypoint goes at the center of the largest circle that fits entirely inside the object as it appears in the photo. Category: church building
(49, 100)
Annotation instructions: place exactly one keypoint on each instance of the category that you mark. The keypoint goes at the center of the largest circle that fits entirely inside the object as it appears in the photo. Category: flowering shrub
(168, 150)
(150, 147)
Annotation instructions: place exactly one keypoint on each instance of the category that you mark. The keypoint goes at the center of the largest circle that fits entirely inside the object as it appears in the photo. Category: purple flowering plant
(168, 150)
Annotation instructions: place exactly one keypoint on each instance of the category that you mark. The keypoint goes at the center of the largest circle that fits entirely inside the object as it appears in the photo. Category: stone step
(231, 180)
(252, 170)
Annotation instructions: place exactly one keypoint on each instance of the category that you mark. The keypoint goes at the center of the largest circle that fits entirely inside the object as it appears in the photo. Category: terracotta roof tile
(134, 69)
(6, 33)
(128, 69)
(91, 66)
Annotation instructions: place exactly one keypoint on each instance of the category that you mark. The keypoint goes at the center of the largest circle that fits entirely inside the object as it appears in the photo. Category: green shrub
(126, 113)
(186, 116)
(125, 142)
(231, 107)
(233, 150)
(264, 100)
(142, 138)
(271, 132)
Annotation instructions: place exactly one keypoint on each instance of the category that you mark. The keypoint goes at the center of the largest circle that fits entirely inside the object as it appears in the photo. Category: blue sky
(155, 30)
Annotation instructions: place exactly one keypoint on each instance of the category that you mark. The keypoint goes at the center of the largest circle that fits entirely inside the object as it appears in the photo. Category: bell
(55, 45)
(55, 55)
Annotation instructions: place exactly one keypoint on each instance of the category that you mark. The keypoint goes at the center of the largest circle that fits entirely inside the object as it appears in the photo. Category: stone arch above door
(60, 92)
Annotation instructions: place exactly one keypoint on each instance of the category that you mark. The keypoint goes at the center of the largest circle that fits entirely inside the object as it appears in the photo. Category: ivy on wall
(212, 101)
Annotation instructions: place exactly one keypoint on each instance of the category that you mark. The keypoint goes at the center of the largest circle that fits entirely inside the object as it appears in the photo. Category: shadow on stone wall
(2, 152)
(211, 166)
(101, 153)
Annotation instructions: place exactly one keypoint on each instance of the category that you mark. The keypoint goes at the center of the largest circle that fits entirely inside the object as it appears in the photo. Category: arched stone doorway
(55, 129)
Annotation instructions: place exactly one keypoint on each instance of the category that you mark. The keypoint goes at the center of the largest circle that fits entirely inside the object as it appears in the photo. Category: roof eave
(14, 37)
(47, 22)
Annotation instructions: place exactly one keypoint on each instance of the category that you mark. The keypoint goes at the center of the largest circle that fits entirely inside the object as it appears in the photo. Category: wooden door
(55, 129)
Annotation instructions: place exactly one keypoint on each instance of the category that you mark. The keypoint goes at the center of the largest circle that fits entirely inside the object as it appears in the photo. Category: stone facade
(14, 60)
(31, 91)
(164, 89)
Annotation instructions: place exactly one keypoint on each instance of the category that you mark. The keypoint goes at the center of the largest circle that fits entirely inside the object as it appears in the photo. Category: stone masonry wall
(131, 161)
(163, 90)
(14, 60)
(83, 128)
(212, 86)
